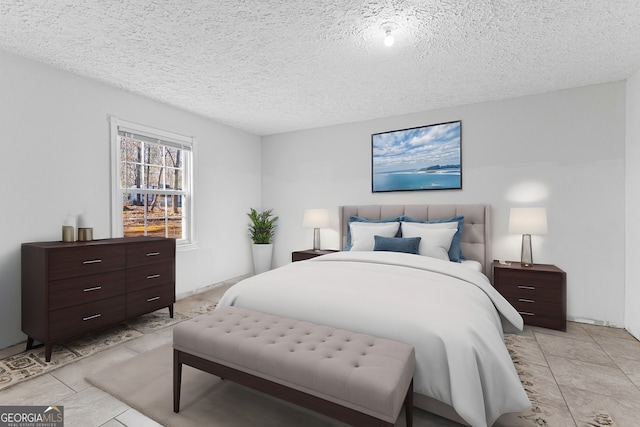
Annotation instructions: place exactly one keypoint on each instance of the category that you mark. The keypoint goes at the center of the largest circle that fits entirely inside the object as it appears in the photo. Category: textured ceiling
(274, 66)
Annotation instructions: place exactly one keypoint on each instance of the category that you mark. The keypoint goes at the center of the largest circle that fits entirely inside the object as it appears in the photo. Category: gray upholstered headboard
(476, 235)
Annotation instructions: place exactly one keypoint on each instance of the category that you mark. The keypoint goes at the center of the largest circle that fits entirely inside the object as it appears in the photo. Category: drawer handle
(525, 300)
(95, 288)
(153, 253)
(153, 276)
(95, 316)
(153, 299)
(526, 287)
(92, 261)
(526, 313)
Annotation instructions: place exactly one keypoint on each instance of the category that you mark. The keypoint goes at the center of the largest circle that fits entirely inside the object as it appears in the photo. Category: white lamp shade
(316, 218)
(528, 221)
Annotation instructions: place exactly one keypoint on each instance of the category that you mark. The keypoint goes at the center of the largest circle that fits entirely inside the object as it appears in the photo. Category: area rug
(144, 382)
(31, 363)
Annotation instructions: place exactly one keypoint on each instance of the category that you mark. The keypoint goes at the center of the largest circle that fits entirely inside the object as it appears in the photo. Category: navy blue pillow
(455, 250)
(354, 218)
(409, 245)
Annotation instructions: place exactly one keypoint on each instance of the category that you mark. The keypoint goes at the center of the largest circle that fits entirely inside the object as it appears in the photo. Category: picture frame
(420, 158)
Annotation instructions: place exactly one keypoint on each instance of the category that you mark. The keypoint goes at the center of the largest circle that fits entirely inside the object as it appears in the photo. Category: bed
(447, 310)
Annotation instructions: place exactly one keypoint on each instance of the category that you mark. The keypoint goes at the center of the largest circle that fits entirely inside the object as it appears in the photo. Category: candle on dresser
(69, 229)
(85, 228)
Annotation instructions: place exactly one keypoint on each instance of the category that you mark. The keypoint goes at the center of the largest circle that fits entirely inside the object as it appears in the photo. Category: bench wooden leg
(177, 380)
(408, 405)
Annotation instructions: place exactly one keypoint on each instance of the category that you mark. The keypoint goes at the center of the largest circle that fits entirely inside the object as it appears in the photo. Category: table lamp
(316, 219)
(527, 221)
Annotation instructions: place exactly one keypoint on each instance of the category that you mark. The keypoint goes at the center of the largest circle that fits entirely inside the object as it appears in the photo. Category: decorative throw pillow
(435, 242)
(409, 245)
(362, 233)
(455, 250)
(354, 218)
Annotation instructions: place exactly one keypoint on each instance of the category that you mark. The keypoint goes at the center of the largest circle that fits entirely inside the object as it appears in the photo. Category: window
(152, 174)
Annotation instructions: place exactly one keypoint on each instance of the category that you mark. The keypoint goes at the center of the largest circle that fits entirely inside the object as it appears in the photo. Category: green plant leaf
(262, 226)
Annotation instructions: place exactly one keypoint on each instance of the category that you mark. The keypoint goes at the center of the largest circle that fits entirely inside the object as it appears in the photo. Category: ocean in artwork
(417, 180)
(422, 158)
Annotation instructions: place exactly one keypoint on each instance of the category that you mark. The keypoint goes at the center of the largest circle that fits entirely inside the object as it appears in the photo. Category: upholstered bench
(356, 378)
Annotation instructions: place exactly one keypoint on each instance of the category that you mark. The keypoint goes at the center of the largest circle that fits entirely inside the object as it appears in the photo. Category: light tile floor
(579, 373)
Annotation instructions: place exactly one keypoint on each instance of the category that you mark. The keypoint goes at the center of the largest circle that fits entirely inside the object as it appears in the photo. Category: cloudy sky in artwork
(416, 148)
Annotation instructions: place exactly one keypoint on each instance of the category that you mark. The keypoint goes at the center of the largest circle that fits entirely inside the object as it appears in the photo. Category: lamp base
(316, 239)
(526, 258)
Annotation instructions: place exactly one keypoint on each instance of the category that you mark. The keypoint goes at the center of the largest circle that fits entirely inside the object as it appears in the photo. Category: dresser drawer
(85, 289)
(150, 299)
(85, 260)
(72, 321)
(151, 252)
(150, 275)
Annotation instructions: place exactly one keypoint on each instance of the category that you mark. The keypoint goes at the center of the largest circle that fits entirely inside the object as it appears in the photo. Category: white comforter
(451, 315)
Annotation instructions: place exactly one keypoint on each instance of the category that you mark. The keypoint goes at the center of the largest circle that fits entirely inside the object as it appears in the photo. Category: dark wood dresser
(539, 292)
(69, 289)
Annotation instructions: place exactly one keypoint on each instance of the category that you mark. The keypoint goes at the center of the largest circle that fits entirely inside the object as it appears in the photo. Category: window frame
(187, 143)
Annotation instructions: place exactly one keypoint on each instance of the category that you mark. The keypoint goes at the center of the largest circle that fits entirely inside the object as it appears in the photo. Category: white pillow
(432, 224)
(362, 233)
(435, 241)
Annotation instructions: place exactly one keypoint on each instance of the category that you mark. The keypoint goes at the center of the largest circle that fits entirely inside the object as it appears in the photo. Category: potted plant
(261, 229)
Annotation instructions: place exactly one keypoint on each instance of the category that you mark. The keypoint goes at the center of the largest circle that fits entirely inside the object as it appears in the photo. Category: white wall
(564, 150)
(632, 277)
(54, 132)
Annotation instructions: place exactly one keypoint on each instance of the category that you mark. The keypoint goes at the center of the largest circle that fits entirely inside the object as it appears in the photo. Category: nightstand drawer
(549, 322)
(529, 290)
(528, 307)
(539, 280)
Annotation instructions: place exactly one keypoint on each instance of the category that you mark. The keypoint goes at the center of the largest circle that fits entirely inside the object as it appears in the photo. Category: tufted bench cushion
(367, 375)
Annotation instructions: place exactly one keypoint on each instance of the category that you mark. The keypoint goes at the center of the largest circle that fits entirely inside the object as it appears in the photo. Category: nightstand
(539, 292)
(310, 253)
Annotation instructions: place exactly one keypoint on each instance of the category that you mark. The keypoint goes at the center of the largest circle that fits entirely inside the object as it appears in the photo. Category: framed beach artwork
(420, 158)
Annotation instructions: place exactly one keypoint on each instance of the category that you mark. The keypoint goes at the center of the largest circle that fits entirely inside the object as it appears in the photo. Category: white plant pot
(262, 255)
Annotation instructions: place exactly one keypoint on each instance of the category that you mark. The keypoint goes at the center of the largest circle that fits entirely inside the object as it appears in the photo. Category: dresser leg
(29, 343)
(48, 347)
(171, 311)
